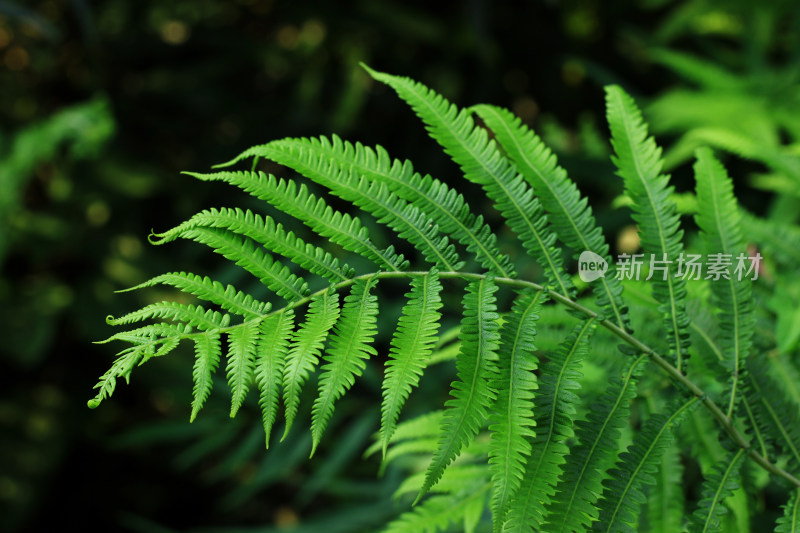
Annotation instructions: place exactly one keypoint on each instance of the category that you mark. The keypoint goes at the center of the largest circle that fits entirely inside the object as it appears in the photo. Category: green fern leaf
(511, 423)
(438, 201)
(718, 218)
(439, 511)
(569, 214)
(471, 393)
(622, 496)
(306, 344)
(638, 162)
(790, 521)
(573, 505)
(241, 361)
(192, 315)
(227, 297)
(777, 417)
(207, 352)
(273, 346)
(482, 163)
(406, 220)
(266, 232)
(250, 257)
(554, 411)
(411, 346)
(718, 485)
(339, 228)
(120, 368)
(665, 501)
(348, 349)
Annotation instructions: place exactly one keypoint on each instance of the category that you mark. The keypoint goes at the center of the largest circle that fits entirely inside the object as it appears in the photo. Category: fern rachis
(515, 436)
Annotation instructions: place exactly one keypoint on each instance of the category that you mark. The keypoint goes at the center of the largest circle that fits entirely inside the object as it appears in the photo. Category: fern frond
(569, 213)
(207, 352)
(718, 218)
(376, 198)
(287, 196)
(439, 511)
(426, 425)
(482, 163)
(241, 361)
(306, 344)
(553, 412)
(718, 485)
(438, 201)
(776, 415)
(265, 231)
(665, 500)
(192, 315)
(120, 368)
(472, 393)
(511, 423)
(226, 296)
(573, 505)
(790, 521)
(348, 349)
(273, 346)
(253, 259)
(411, 346)
(623, 494)
(638, 162)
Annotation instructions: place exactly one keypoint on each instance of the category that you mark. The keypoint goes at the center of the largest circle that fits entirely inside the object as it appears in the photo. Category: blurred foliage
(182, 85)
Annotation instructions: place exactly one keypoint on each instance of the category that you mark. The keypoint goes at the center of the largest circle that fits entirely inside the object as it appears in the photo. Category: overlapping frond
(623, 490)
(511, 423)
(249, 256)
(638, 161)
(226, 296)
(664, 512)
(472, 392)
(265, 231)
(347, 350)
(573, 505)
(718, 485)
(438, 201)
(554, 413)
(298, 201)
(482, 163)
(777, 417)
(718, 218)
(569, 213)
(790, 521)
(410, 222)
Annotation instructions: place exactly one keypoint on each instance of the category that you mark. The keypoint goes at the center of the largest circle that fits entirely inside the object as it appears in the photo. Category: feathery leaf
(411, 346)
(482, 163)
(472, 393)
(569, 214)
(273, 345)
(348, 349)
(639, 163)
(511, 423)
(307, 341)
(554, 411)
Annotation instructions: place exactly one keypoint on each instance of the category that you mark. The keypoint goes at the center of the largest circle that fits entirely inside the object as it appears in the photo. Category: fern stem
(665, 365)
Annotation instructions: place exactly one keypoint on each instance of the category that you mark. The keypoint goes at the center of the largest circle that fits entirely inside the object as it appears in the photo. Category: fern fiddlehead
(545, 464)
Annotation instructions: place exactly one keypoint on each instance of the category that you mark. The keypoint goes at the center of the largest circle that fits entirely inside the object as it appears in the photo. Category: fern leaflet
(411, 346)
